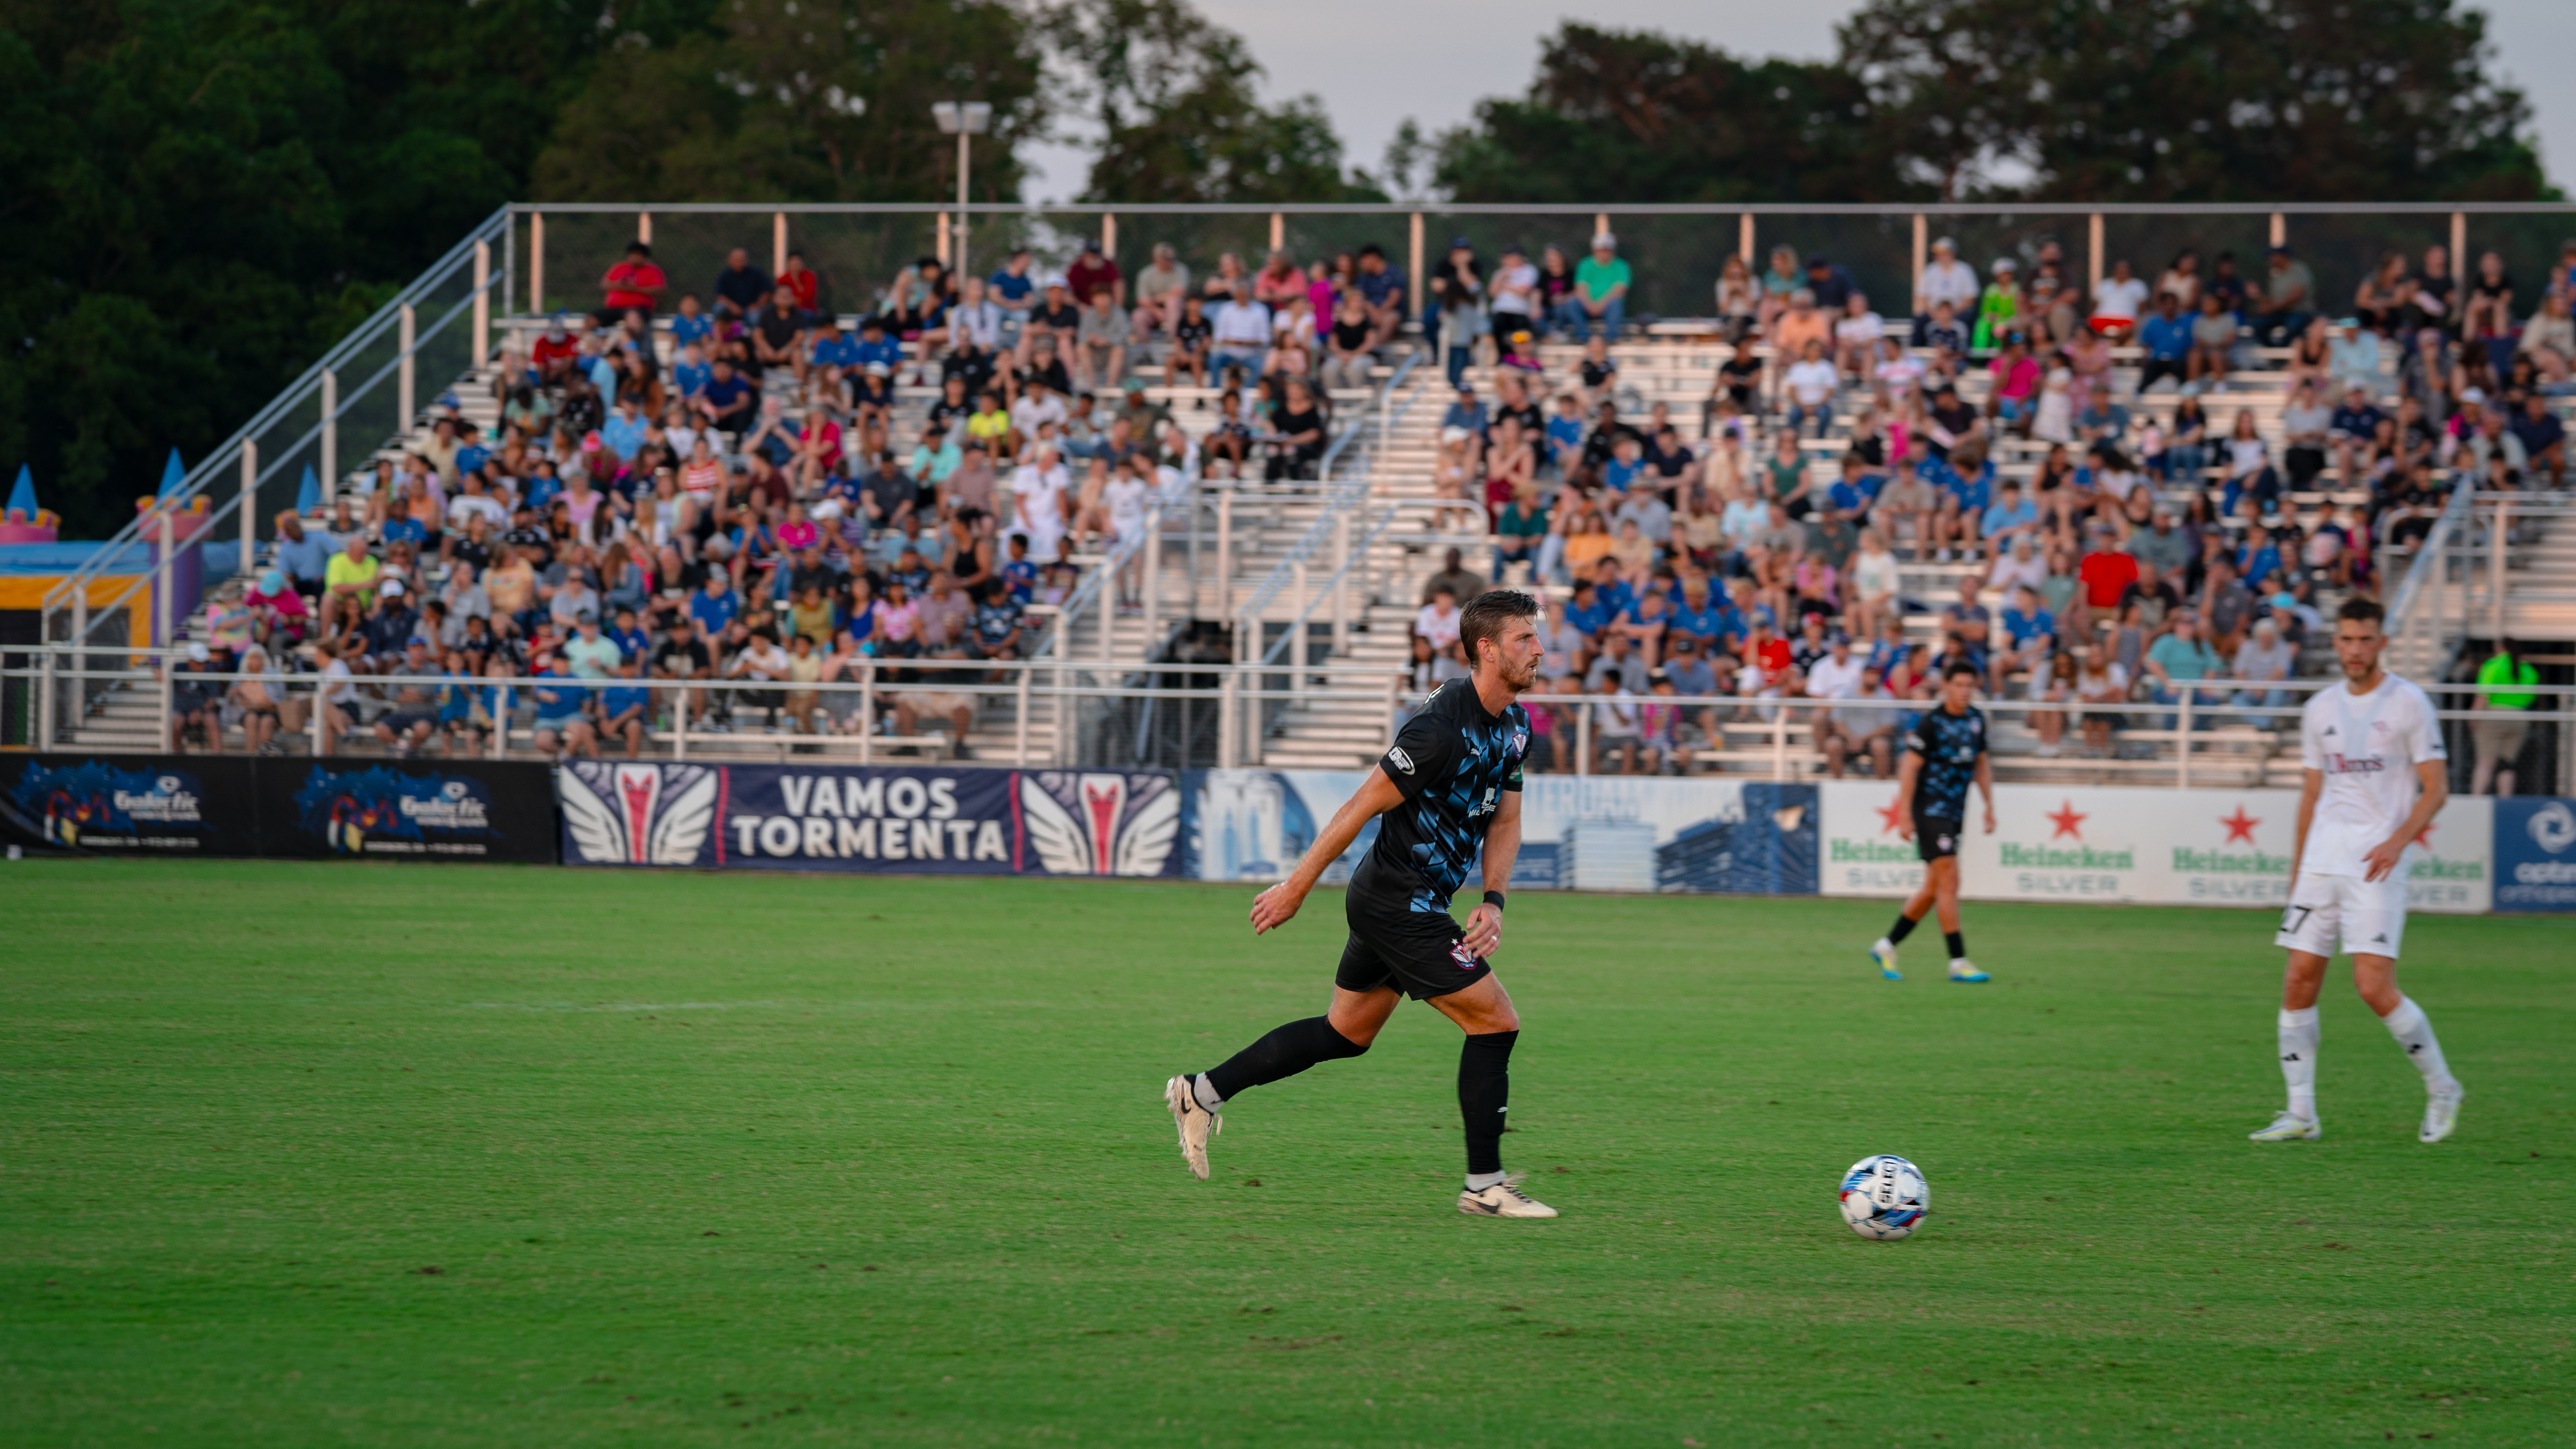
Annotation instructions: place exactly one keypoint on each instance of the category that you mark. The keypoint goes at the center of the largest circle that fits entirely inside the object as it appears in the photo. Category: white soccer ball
(1884, 1197)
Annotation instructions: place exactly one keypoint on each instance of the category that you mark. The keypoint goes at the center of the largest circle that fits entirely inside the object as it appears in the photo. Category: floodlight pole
(964, 120)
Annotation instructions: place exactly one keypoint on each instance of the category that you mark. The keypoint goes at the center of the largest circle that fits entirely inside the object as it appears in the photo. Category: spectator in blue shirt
(1014, 291)
(876, 346)
(690, 325)
(741, 288)
(304, 557)
(2165, 337)
(729, 403)
(1586, 613)
(625, 705)
(2010, 514)
(1700, 616)
(624, 433)
(2544, 439)
(1969, 479)
(1612, 590)
(1382, 287)
(629, 636)
(2030, 636)
(834, 347)
(1856, 490)
(690, 373)
(715, 606)
(1831, 282)
(1466, 411)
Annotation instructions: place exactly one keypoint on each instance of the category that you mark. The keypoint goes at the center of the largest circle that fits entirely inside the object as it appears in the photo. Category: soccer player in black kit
(1450, 784)
(1945, 753)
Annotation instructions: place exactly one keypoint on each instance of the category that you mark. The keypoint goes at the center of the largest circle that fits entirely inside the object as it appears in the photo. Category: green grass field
(333, 1154)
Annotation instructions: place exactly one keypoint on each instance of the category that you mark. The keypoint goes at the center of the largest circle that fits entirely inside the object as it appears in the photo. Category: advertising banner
(2166, 847)
(923, 820)
(2535, 854)
(136, 804)
(1594, 833)
(407, 810)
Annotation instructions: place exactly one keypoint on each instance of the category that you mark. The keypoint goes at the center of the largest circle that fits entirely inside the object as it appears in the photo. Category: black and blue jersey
(1452, 761)
(1949, 744)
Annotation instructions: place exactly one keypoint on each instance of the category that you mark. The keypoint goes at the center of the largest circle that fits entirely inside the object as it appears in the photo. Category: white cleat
(2290, 1128)
(1882, 954)
(2441, 1114)
(1196, 1123)
(1966, 970)
(1503, 1200)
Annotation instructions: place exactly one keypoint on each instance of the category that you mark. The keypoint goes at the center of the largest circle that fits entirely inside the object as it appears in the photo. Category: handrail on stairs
(224, 459)
(1337, 502)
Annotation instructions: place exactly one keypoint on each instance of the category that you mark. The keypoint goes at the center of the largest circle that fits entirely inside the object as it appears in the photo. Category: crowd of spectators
(698, 500)
(2061, 452)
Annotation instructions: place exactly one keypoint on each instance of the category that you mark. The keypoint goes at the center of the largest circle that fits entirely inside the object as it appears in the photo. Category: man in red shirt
(633, 285)
(800, 279)
(554, 353)
(1091, 272)
(2106, 574)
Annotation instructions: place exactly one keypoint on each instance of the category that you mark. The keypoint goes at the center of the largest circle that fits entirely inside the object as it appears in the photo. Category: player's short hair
(2363, 611)
(1486, 616)
(1959, 667)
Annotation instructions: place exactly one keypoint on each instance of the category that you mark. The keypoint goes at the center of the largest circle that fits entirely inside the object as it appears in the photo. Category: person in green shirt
(1600, 292)
(1999, 308)
(349, 584)
(2180, 658)
(1521, 530)
(2500, 736)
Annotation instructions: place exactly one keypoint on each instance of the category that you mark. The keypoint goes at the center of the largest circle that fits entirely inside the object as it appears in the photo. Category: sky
(1375, 64)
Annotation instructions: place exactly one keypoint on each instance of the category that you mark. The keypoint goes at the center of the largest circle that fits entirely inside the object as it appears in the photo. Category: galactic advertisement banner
(923, 820)
(2535, 864)
(2165, 847)
(135, 804)
(339, 809)
(1595, 833)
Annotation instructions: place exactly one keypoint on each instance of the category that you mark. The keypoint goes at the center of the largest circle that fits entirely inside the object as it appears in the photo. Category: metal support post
(1744, 239)
(249, 507)
(2182, 741)
(1583, 740)
(404, 413)
(2280, 229)
(945, 221)
(2459, 250)
(482, 303)
(2093, 253)
(1020, 728)
(644, 227)
(1109, 235)
(1779, 742)
(1225, 720)
(1342, 584)
(536, 263)
(330, 441)
(1297, 627)
(868, 711)
(1413, 279)
(1278, 232)
(163, 701)
(164, 622)
(1151, 603)
(1392, 680)
(1225, 554)
(45, 700)
(2495, 570)
(778, 243)
(1922, 254)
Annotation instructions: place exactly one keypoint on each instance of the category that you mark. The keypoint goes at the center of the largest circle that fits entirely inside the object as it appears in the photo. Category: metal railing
(2205, 733)
(269, 453)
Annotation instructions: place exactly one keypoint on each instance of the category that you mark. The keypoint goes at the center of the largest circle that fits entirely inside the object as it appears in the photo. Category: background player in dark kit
(1449, 785)
(1945, 752)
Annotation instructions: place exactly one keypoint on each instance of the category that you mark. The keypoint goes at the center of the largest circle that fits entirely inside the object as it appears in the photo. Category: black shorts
(1420, 953)
(1935, 837)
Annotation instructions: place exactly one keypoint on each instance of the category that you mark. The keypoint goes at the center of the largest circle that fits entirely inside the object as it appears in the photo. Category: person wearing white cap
(196, 702)
(1945, 278)
(1600, 293)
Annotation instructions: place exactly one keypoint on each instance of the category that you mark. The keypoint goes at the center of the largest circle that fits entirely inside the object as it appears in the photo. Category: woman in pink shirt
(2016, 378)
(818, 449)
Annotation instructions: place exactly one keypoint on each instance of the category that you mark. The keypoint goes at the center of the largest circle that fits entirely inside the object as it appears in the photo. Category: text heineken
(2062, 857)
(1846, 851)
(2187, 861)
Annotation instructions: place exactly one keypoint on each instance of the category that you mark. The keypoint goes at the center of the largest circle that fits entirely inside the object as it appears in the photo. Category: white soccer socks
(2415, 1033)
(2299, 1060)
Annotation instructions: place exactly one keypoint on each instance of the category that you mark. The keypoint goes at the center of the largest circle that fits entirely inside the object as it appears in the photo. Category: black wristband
(1494, 899)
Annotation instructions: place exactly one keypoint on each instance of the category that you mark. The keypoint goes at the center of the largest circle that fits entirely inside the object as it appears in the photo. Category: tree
(1179, 118)
(2201, 100)
(798, 100)
(1638, 116)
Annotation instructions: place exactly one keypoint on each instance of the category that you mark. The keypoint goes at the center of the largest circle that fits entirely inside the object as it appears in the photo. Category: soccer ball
(1884, 1197)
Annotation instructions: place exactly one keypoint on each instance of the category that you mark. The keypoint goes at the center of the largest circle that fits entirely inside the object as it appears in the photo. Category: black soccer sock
(1285, 1052)
(1484, 1094)
(1958, 945)
(1904, 927)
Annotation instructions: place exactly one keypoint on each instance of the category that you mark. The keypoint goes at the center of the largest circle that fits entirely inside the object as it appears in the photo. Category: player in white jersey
(2376, 775)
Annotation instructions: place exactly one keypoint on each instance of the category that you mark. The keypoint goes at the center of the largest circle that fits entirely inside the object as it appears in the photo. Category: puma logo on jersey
(1402, 760)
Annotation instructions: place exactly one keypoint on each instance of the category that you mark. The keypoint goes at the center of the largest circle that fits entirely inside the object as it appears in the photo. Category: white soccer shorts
(2368, 915)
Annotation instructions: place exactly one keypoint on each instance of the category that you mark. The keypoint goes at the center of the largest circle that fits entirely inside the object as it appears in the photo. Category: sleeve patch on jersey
(1402, 760)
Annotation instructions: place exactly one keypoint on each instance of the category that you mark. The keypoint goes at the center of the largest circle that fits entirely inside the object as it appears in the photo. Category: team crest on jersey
(1520, 742)
(1402, 760)
(1459, 953)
